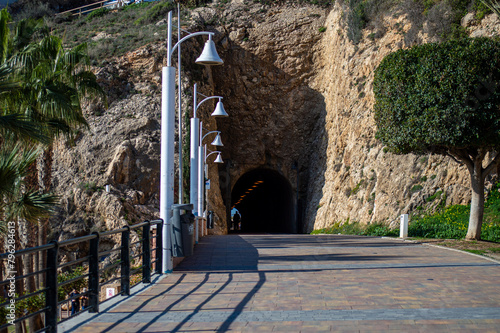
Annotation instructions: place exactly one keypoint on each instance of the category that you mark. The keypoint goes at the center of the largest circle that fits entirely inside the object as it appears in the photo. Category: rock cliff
(298, 88)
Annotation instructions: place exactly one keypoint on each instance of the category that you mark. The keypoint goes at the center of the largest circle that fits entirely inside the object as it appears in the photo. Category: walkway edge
(445, 247)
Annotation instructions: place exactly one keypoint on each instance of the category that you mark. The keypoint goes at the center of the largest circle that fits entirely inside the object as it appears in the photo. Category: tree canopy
(42, 86)
(439, 97)
(444, 98)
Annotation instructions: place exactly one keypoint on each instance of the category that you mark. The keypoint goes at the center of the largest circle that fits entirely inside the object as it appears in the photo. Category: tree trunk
(45, 171)
(477, 202)
(42, 240)
(30, 281)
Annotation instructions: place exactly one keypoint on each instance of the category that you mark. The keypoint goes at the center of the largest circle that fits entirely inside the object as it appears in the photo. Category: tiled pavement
(312, 283)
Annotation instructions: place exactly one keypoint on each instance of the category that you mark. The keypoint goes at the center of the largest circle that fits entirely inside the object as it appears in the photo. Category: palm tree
(42, 87)
(17, 132)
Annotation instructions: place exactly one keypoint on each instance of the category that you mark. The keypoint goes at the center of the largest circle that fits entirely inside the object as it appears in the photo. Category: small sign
(110, 292)
(207, 184)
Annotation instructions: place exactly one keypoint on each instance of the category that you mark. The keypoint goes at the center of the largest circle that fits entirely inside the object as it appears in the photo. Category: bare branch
(493, 164)
(462, 158)
(454, 158)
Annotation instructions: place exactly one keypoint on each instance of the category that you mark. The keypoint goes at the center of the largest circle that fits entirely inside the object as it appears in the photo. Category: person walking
(237, 221)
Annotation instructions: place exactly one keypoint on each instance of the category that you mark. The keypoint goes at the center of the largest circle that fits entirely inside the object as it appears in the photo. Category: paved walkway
(313, 283)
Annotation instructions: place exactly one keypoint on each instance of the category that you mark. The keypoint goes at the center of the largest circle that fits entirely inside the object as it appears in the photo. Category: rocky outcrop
(299, 93)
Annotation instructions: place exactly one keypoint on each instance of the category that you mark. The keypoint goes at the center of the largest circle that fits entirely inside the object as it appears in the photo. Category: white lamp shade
(209, 55)
(217, 141)
(219, 110)
(218, 159)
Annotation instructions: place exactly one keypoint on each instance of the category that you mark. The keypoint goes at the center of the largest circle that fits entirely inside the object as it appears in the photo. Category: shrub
(97, 13)
(434, 196)
(35, 10)
(481, 9)
(449, 223)
(156, 12)
(356, 19)
(452, 223)
(89, 187)
(77, 285)
(354, 228)
(379, 229)
(416, 188)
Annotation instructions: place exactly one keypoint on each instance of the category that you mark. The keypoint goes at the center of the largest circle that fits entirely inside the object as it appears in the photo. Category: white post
(193, 192)
(201, 178)
(167, 151)
(403, 229)
(195, 130)
(179, 115)
(195, 138)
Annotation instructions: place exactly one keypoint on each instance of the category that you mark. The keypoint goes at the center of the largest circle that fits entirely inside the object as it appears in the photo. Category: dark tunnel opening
(264, 199)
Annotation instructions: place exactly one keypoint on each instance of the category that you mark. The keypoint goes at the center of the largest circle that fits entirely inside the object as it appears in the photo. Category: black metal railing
(97, 264)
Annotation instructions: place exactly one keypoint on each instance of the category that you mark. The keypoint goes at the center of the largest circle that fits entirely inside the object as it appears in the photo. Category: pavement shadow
(332, 241)
(224, 255)
(85, 317)
(325, 257)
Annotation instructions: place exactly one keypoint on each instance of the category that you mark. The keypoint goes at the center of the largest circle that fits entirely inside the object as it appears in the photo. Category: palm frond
(4, 34)
(7, 83)
(88, 86)
(24, 32)
(493, 5)
(8, 171)
(14, 163)
(59, 126)
(32, 206)
(21, 128)
(76, 56)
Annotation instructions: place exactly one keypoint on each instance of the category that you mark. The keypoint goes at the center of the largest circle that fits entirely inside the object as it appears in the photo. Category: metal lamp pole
(195, 143)
(208, 57)
(202, 158)
(196, 181)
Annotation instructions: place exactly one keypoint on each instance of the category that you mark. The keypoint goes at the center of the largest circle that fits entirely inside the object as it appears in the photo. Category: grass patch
(122, 35)
(355, 228)
(480, 252)
(449, 223)
(416, 188)
(494, 249)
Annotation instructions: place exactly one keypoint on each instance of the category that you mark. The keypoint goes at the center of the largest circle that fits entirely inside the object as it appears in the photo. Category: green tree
(443, 98)
(18, 135)
(42, 88)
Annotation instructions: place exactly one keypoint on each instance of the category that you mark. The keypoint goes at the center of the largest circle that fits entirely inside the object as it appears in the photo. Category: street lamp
(201, 171)
(197, 169)
(196, 143)
(209, 56)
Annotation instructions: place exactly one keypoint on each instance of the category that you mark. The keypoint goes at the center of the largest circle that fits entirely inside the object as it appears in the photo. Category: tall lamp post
(196, 143)
(209, 56)
(197, 178)
(201, 172)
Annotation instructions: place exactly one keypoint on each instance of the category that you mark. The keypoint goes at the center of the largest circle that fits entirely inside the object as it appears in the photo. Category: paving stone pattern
(312, 283)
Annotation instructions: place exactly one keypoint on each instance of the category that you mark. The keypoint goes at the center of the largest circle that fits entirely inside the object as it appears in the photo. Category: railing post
(94, 274)
(125, 260)
(146, 253)
(51, 293)
(159, 248)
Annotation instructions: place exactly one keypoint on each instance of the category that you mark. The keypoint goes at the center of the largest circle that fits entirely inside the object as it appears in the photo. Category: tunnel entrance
(264, 199)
